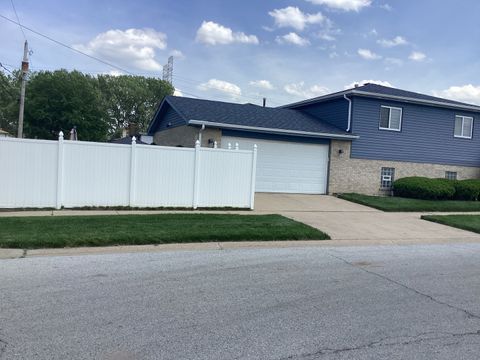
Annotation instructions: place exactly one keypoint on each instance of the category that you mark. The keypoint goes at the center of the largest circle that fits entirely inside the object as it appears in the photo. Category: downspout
(200, 134)
(349, 111)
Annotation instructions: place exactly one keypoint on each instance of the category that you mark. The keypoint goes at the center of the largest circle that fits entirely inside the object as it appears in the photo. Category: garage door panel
(286, 166)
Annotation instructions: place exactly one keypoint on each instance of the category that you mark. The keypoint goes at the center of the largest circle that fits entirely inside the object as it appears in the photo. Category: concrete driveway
(344, 220)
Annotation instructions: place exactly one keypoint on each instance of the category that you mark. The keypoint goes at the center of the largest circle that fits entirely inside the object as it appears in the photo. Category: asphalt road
(390, 302)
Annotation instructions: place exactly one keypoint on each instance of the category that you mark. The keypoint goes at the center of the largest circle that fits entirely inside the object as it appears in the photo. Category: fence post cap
(255, 147)
(236, 146)
(60, 135)
(197, 143)
(134, 140)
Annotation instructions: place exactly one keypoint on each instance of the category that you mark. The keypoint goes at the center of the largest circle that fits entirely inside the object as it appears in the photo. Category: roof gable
(380, 91)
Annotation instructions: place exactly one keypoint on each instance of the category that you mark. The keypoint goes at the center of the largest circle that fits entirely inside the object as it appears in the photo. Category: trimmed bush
(424, 188)
(467, 189)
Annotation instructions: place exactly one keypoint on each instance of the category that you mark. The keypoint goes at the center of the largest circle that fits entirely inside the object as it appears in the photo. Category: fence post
(133, 161)
(60, 171)
(254, 174)
(196, 175)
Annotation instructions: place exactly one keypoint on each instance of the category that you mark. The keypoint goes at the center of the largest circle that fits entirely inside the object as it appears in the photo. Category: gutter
(271, 130)
(352, 92)
(349, 112)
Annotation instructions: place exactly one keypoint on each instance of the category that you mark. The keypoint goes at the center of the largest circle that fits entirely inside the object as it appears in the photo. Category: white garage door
(287, 167)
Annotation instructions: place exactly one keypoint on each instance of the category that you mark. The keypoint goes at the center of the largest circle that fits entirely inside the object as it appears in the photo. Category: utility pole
(22, 91)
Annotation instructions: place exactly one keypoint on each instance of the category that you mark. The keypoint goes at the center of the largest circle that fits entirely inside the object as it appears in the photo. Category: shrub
(467, 189)
(424, 188)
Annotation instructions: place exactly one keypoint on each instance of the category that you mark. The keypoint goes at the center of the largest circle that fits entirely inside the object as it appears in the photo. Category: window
(463, 127)
(390, 118)
(450, 175)
(387, 177)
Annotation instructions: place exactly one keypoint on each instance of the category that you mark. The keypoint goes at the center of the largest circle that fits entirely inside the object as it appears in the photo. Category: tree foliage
(130, 99)
(9, 97)
(98, 106)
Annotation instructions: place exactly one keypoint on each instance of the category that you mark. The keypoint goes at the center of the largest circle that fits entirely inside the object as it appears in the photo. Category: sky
(242, 51)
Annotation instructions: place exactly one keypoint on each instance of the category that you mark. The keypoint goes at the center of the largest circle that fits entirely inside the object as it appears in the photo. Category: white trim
(271, 130)
(384, 96)
(390, 118)
(471, 127)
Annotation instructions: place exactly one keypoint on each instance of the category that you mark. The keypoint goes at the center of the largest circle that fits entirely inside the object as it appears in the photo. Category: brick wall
(363, 176)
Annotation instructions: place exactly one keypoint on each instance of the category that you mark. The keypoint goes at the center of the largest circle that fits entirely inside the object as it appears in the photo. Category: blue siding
(334, 112)
(169, 116)
(264, 136)
(426, 135)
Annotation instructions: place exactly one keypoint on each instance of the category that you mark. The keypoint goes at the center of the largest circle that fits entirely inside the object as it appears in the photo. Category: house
(357, 140)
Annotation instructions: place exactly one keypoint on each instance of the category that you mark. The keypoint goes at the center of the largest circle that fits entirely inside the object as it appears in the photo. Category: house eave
(354, 92)
(273, 130)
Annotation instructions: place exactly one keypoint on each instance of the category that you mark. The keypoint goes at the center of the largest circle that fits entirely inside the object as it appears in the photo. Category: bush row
(437, 189)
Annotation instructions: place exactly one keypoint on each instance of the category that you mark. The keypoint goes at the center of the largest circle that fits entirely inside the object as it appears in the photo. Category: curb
(220, 246)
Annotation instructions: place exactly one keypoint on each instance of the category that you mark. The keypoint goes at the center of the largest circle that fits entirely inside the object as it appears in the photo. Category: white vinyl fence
(56, 174)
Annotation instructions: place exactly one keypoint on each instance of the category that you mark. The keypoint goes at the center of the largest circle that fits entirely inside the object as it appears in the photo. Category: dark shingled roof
(388, 92)
(385, 90)
(249, 115)
(128, 140)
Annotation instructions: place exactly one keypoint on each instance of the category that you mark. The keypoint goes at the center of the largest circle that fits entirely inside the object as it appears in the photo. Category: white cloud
(465, 93)
(368, 55)
(333, 55)
(262, 84)
(292, 38)
(396, 41)
(363, 82)
(212, 33)
(417, 56)
(386, 7)
(222, 86)
(327, 37)
(299, 90)
(178, 92)
(132, 47)
(177, 54)
(295, 18)
(346, 5)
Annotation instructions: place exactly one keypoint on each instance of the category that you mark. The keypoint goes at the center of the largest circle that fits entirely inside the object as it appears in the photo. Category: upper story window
(390, 118)
(463, 127)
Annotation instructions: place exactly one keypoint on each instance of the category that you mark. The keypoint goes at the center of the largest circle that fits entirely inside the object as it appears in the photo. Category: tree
(131, 99)
(59, 100)
(9, 96)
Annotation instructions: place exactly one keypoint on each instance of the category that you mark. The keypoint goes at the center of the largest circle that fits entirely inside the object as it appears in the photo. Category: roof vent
(357, 85)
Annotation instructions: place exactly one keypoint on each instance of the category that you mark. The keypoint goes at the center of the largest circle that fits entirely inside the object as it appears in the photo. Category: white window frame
(463, 119)
(390, 118)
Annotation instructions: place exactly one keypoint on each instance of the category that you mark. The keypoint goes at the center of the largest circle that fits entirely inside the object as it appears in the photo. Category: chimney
(264, 102)
(357, 85)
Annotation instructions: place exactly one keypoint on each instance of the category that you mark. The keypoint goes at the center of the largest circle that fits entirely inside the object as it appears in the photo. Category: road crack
(384, 342)
(468, 313)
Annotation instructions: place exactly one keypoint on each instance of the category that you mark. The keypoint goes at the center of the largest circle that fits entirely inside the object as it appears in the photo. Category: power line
(67, 46)
(18, 20)
(3, 66)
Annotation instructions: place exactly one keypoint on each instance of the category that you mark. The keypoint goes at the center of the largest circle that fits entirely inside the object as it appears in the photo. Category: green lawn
(465, 222)
(75, 231)
(404, 204)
